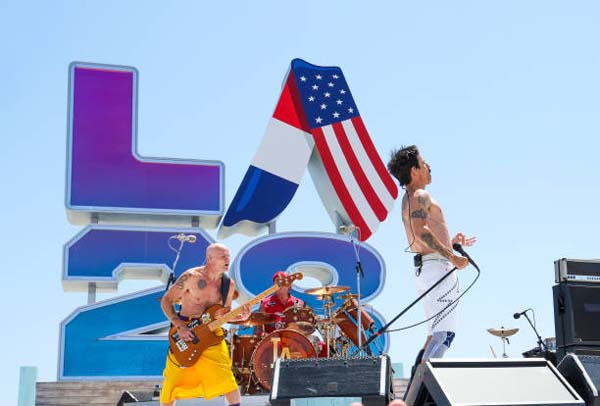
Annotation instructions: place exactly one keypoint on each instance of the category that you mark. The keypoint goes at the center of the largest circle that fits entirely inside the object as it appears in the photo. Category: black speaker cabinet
(532, 381)
(583, 373)
(576, 314)
(367, 377)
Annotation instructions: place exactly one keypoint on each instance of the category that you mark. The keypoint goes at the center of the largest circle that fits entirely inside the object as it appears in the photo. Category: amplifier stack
(577, 324)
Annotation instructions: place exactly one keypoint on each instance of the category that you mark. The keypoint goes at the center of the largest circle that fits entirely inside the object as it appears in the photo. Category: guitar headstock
(285, 281)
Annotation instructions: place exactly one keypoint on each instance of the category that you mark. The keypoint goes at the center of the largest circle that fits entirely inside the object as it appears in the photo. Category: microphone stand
(384, 328)
(171, 279)
(541, 345)
(359, 274)
(456, 247)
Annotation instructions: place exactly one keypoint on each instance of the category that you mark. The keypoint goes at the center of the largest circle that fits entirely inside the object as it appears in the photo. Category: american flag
(361, 182)
(315, 109)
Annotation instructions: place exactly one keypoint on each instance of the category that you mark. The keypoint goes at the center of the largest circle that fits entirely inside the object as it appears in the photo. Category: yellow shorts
(208, 378)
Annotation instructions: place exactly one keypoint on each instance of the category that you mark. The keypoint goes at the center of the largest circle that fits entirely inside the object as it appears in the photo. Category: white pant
(435, 266)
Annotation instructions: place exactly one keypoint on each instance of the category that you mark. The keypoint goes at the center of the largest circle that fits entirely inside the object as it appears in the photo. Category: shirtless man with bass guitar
(197, 290)
(198, 362)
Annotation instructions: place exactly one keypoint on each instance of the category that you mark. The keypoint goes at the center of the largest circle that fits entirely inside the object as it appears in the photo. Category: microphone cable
(444, 309)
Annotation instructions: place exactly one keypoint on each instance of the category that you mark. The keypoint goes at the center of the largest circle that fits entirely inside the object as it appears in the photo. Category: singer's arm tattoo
(432, 243)
(419, 214)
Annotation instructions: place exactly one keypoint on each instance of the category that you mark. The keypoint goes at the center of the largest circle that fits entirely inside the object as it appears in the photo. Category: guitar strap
(225, 283)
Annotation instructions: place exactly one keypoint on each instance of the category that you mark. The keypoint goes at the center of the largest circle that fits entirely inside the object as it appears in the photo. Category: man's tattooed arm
(172, 295)
(432, 243)
(420, 215)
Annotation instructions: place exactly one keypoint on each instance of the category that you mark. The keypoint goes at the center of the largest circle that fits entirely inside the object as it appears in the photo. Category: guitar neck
(213, 325)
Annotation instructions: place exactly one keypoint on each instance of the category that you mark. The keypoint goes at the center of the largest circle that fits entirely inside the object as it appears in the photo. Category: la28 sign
(130, 205)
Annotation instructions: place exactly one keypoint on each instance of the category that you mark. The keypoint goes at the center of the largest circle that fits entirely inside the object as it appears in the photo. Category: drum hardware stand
(503, 334)
(359, 273)
(328, 324)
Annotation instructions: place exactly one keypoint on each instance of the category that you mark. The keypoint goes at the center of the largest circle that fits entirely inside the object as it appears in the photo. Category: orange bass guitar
(187, 352)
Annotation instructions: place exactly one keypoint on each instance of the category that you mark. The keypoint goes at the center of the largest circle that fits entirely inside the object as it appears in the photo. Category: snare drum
(302, 319)
(279, 344)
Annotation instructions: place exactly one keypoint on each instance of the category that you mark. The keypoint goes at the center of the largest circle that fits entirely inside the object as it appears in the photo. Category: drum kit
(253, 356)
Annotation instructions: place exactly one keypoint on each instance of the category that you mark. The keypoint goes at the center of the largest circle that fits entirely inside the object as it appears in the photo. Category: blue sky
(501, 97)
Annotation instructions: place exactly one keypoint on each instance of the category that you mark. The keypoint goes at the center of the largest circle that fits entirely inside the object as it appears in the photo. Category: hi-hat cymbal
(256, 319)
(502, 332)
(348, 296)
(326, 290)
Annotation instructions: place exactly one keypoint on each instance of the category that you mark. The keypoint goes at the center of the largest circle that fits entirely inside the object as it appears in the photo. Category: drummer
(276, 304)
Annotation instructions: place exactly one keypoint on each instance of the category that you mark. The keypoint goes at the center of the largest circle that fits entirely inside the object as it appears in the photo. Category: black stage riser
(366, 377)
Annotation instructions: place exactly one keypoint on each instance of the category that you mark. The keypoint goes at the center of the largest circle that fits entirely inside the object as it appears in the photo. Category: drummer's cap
(279, 274)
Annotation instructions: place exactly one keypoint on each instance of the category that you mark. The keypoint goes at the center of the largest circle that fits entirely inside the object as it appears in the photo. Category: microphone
(518, 315)
(458, 248)
(344, 229)
(191, 238)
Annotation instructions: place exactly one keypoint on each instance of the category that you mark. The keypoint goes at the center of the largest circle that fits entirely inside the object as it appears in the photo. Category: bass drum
(284, 343)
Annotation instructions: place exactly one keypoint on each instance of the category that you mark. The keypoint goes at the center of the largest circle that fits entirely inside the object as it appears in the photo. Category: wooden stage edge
(108, 393)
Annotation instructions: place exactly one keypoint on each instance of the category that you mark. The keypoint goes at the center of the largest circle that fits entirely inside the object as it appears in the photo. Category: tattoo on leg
(201, 284)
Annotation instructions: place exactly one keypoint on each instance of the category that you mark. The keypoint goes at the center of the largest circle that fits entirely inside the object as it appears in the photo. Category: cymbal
(502, 332)
(348, 296)
(326, 290)
(256, 319)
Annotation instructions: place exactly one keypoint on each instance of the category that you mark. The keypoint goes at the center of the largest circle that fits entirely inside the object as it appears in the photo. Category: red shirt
(272, 304)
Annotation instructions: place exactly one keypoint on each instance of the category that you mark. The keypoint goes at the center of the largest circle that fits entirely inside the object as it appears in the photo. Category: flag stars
(302, 78)
(339, 102)
(326, 94)
(315, 87)
(342, 91)
(335, 76)
(323, 106)
(350, 110)
(319, 77)
(330, 84)
(336, 114)
(318, 120)
(311, 98)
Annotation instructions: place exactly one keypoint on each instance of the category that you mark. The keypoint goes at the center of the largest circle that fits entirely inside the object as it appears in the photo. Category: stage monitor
(490, 382)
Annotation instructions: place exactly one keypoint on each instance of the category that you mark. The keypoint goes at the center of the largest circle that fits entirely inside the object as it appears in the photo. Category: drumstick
(493, 352)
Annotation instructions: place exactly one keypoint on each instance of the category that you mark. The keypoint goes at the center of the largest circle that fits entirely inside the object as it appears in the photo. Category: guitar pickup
(181, 345)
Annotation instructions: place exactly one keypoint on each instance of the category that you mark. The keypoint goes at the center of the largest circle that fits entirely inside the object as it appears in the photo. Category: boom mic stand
(359, 273)
(456, 247)
(541, 345)
(171, 279)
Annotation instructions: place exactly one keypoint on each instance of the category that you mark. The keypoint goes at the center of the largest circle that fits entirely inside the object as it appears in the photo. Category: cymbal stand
(328, 325)
(359, 274)
(504, 342)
